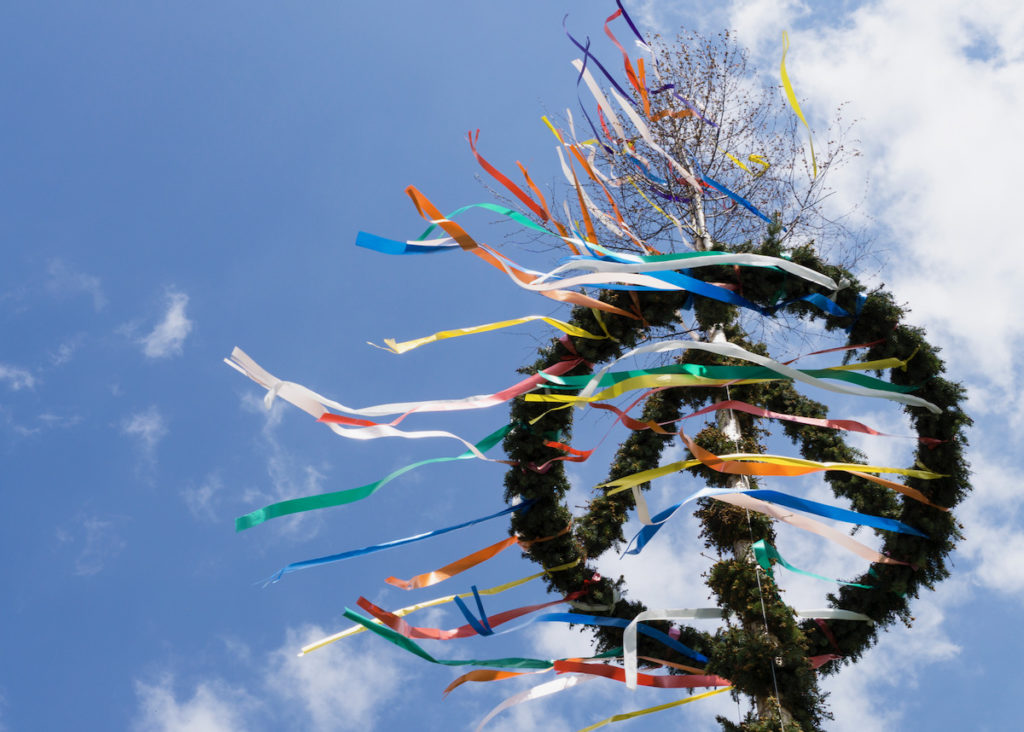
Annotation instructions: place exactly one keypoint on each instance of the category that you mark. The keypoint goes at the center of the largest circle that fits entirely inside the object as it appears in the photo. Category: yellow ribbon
(628, 481)
(654, 381)
(792, 99)
(647, 381)
(760, 161)
(395, 347)
(737, 161)
(356, 629)
(651, 710)
(752, 158)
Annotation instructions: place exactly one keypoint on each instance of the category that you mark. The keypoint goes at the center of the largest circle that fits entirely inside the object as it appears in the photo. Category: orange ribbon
(430, 212)
(399, 625)
(480, 556)
(661, 682)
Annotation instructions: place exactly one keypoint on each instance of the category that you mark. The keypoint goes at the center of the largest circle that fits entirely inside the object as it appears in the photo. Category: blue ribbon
(625, 16)
(622, 623)
(330, 559)
(390, 246)
(690, 284)
(588, 54)
(783, 499)
(597, 135)
(482, 626)
(581, 620)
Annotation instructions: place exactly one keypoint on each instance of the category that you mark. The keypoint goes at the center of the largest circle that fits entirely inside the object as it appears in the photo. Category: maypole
(655, 200)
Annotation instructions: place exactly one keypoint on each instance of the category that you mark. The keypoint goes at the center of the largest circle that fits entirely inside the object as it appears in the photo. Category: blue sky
(182, 178)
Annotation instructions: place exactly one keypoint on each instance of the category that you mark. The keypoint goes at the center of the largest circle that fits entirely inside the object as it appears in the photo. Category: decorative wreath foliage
(735, 653)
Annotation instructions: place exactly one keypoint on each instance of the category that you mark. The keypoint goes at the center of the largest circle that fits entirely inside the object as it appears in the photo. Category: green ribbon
(351, 495)
(514, 215)
(412, 647)
(764, 553)
(730, 373)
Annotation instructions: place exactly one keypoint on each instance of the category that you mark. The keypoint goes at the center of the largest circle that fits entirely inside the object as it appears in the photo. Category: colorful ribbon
(731, 350)
(651, 710)
(624, 262)
(614, 673)
(412, 647)
(847, 425)
(764, 553)
(485, 674)
(742, 500)
(351, 495)
(428, 579)
(405, 346)
(791, 96)
(331, 558)
(390, 246)
(835, 513)
(615, 383)
(485, 626)
(537, 692)
(402, 612)
(774, 465)
(317, 405)
(430, 212)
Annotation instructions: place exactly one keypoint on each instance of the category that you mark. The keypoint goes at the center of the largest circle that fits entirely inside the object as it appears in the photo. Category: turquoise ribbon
(351, 495)
(764, 553)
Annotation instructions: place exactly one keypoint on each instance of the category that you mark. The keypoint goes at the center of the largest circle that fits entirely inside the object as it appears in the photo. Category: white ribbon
(312, 403)
(600, 98)
(563, 682)
(629, 639)
(740, 500)
(600, 215)
(646, 134)
(733, 351)
(693, 262)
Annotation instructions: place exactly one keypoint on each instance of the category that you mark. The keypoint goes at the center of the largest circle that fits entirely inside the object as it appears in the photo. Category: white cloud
(17, 378)
(96, 541)
(148, 427)
(288, 476)
(336, 690)
(64, 281)
(66, 350)
(213, 707)
(861, 695)
(313, 682)
(168, 337)
(994, 541)
(937, 95)
(202, 499)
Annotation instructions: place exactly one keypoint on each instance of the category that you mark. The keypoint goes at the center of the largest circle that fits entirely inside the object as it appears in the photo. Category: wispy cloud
(148, 427)
(971, 54)
(290, 693)
(95, 541)
(168, 337)
(46, 421)
(212, 707)
(63, 281)
(201, 499)
(311, 682)
(16, 378)
(288, 476)
(63, 353)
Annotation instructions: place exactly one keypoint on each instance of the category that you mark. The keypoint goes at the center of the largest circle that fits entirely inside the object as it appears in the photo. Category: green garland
(736, 651)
